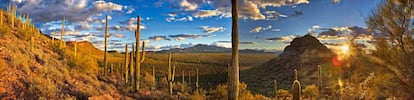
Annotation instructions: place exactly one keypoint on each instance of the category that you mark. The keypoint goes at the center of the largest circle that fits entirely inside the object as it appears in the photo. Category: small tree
(393, 19)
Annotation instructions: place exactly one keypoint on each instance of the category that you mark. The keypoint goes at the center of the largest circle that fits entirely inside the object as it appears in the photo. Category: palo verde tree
(393, 19)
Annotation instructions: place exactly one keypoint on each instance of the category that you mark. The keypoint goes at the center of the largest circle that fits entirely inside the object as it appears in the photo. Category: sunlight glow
(345, 49)
(340, 82)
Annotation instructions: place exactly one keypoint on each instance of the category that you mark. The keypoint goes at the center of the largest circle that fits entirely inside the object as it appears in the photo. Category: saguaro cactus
(32, 40)
(62, 32)
(275, 87)
(171, 73)
(76, 50)
(197, 85)
(320, 78)
(296, 88)
(138, 58)
(106, 45)
(126, 63)
(1, 17)
(182, 77)
(52, 37)
(153, 75)
(233, 85)
(131, 63)
(189, 78)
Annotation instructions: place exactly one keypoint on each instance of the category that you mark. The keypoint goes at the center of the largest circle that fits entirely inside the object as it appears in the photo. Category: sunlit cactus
(170, 76)
(197, 85)
(61, 33)
(320, 78)
(275, 87)
(32, 40)
(296, 88)
(106, 44)
(233, 83)
(139, 58)
(126, 63)
(1, 17)
(131, 63)
(76, 49)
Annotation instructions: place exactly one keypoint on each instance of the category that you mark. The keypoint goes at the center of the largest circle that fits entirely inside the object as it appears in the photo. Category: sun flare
(345, 49)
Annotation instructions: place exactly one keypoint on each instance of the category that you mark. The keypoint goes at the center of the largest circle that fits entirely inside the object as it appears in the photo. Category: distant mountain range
(203, 48)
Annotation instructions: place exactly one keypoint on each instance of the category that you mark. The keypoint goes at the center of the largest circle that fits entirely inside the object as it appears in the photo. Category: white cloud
(187, 6)
(183, 19)
(222, 44)
(260, 29)
(208, 29)
(130, 11)
(73, 10)
(206, 13)
(250, 10)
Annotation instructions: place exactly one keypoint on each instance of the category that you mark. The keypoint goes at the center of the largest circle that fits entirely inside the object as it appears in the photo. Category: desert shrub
(200, 95)
(18, 61)
(147, 81)
(220, 92)
(42, 87)
(311, 91)
(260, 97)
(5, 31)
(183, 88)
(23, 34)
(282, 93)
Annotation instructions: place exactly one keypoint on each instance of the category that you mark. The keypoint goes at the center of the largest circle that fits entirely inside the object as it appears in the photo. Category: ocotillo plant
(233, 85)
(275, 87)
(171, 73)
(126, 63)
(61, 33)
(296, 88)
(138, 58)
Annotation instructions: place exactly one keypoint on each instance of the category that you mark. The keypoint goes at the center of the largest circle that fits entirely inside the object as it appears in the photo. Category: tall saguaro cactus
(233, 85)
(76, 49)
(106, 45)
(197, 85)
(139, 58)
(275, 87)
(1, 17)
(171, 73)
(126, 63)
(296, 87)
(319, 78)
(131, 63)
(61, 33)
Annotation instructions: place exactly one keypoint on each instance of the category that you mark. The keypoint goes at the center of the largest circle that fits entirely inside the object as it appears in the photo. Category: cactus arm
(143, 52)
(173, 74)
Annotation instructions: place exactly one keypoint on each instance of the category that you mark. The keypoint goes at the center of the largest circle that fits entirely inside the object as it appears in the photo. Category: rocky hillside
(303, 53)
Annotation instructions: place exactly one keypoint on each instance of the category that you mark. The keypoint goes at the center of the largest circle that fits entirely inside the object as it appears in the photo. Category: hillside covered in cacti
(207, 49)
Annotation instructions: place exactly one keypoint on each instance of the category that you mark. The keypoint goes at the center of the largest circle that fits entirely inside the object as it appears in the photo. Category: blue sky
(264, 24)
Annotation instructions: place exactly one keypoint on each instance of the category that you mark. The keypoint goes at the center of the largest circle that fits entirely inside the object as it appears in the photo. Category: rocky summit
(303, 53)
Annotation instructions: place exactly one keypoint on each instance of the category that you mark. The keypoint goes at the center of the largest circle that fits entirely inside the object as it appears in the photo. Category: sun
(345, 49)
